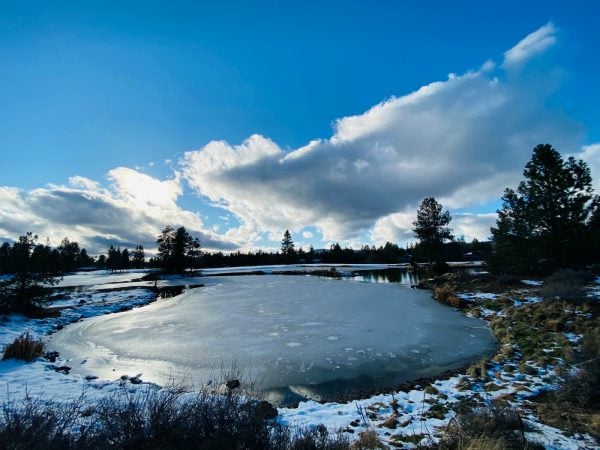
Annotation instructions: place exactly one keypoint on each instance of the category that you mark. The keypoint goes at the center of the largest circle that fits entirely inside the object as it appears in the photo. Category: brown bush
(486, 427)
(24, 347)
(568, 285)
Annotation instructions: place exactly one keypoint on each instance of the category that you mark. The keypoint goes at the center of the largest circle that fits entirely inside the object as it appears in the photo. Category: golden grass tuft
(24, 347)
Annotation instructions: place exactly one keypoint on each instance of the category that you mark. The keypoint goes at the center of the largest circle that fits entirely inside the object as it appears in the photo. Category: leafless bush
(485, 427)
(33, 424)
(163, 419)
(568, 285)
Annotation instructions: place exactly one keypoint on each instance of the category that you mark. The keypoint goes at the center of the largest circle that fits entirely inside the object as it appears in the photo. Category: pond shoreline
(327, 340)
(393, 426)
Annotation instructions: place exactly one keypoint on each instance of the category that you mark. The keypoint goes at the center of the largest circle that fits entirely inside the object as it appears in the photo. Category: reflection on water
(401, 276)
(297, 337)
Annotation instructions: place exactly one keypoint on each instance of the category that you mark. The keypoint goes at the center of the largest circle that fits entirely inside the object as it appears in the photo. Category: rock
(233, 384)
(63, 369)
(51, 356)
(91, 377)
(135, 380)
(266, 411)
(390, 423)
(59, 327)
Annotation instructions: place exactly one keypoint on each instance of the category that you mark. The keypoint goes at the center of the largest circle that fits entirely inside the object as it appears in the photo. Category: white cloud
(473, 225)
(131, 211)
(461, 140)
(591, 155)
(143, 190)
(531, 45)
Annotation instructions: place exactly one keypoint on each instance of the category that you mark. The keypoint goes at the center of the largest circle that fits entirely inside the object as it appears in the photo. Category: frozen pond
(296, 336)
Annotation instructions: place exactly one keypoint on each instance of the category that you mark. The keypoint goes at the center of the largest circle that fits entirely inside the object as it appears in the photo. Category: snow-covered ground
(19, 379)
(420, 414)
(396, 417)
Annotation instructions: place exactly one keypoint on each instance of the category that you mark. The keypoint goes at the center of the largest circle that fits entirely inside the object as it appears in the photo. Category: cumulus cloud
(131, 211)
(591, 155)
(473, 226)
(533, 44)
(462, 140)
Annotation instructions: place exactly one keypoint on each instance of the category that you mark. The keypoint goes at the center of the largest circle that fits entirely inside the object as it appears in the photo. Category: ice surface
(98, 277)
(304, 334)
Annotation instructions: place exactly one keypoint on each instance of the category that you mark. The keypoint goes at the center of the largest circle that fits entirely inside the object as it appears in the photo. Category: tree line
(550, 221)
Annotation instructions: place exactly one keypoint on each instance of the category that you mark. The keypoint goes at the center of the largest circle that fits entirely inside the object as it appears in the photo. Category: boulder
(63, 369)
(232, 384)
(266, 411)
(51, 356)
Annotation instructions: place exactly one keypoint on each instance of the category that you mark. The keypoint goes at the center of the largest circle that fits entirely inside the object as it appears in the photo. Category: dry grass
(567, 285)
(575, 407)
(367, 440)
(24, 347)
(150, 419)
(485, 427)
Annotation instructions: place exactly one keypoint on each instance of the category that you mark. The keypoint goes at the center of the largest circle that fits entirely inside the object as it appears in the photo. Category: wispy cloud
(533, 44)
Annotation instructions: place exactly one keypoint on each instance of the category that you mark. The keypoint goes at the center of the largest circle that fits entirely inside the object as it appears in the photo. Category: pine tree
(287, 247)
(177, 249)
(30, 265)
(113, 261)
(124, 260)
(431, 228)
(542, 224)
(138, 257)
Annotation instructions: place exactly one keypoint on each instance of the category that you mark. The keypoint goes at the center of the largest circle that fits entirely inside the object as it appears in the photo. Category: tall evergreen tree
(166, 242)
(431, 228)
(30, 265)
(177, 249)
(113, 261)
(287, 244)
(69, 251)
(542, 224)
(124, 261)
(83, 259)
(138, 257)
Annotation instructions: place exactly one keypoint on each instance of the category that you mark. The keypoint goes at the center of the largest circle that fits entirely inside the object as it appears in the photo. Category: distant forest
(69, 256)
(551, 221)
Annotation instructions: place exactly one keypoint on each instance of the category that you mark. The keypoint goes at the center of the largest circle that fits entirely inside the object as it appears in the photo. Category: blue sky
(106, 107)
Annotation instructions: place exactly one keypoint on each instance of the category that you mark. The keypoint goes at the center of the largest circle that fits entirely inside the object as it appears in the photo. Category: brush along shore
(538, 390)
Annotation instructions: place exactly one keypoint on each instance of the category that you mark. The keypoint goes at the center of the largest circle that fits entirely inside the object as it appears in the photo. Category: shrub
(568, 285)
(508, 279)
(165, 419)
(581, 388)
(575, 407)
(443, 292)
(32, 424)
(24, 347)
(367, 440)
(485, 427)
